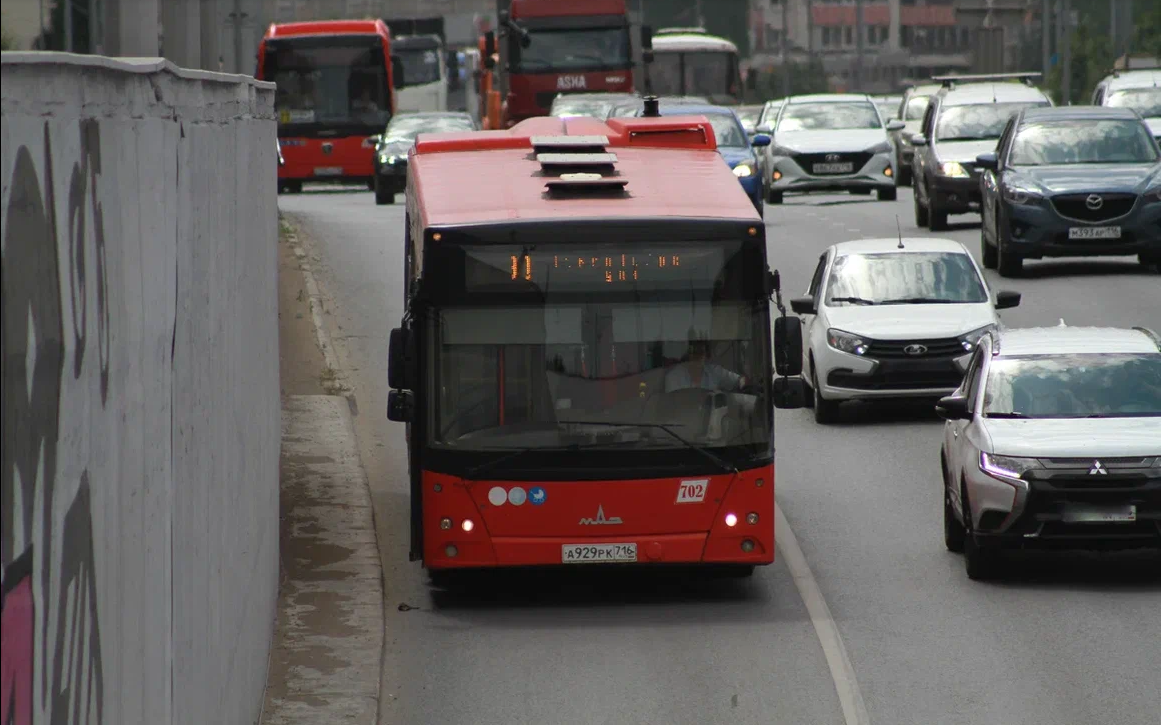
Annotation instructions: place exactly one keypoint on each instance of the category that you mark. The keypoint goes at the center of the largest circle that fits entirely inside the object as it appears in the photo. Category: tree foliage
(808, 77)
(1092, 46)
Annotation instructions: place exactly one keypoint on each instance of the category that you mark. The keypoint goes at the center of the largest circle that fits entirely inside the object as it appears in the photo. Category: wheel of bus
(383, 195)
(825, 411)
(774, 197)
(888, 193)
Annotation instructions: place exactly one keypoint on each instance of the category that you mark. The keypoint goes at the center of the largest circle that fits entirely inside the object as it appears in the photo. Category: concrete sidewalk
(328, 641)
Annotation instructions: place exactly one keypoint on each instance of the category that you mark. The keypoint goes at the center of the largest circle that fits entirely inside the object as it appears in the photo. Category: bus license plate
(845, 168)
(1100, 515)
(328, 171)
(597, 553)
(1094, 233)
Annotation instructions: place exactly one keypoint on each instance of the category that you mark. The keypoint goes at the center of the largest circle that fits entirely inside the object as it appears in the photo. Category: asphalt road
(1063, 640)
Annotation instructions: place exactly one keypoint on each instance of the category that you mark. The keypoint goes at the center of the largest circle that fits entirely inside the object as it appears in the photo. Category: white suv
(892, 318)
(1054, 440)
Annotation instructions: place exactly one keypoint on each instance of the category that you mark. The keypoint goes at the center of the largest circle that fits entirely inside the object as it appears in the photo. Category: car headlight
(971, 339)
(743, 170)
(1008, 468)
(1017, 195)
(846, 342)
(954, 169)
(385, 159)
(882, 148)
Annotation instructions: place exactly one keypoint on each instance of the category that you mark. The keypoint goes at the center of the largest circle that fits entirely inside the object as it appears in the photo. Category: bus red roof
(328, 27)
(557, 9)
(671, 165)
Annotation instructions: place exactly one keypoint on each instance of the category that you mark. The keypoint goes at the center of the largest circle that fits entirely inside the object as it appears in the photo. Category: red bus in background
(335, 95)
(551, 47)
(586, 363)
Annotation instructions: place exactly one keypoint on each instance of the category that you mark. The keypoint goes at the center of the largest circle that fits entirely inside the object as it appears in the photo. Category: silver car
(1054, 440)
(830, 142)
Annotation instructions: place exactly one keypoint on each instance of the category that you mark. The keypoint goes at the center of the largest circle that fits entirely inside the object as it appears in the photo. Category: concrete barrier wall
(140, 392)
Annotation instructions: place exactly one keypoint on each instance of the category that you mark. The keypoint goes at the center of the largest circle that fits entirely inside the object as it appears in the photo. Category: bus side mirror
(397, 74)
(789, 393)
(399, 406)
(401, 359)
(788, 346)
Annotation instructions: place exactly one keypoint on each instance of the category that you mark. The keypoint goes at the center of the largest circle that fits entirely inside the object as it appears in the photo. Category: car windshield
(977, 122)
(576, 49)
(888, 107)
(1075, 386)
(728, 131)
(1083, 142)
(828, 117)
(1145, 101)
(916, 107)
(406, 128)
(660, 347)
(420, 65)
(571, 107)
(748, 115)
(897, 278)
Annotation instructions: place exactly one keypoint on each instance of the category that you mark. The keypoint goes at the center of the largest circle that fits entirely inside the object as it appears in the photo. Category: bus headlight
(743, 170)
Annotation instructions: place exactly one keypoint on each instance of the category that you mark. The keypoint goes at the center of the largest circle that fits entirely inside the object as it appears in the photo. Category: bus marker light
(451, 550)
(468, 525)
(731, 520)
(751, 518)
(759, 483)
(445, 524)
(437, 488)
(747, 545)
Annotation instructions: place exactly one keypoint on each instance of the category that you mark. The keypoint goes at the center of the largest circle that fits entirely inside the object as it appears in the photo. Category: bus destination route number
(597, 553)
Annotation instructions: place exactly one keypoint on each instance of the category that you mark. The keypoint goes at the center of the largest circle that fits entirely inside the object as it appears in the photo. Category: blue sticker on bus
(537, 496)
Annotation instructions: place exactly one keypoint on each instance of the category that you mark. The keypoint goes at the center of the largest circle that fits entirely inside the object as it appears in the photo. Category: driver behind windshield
(696, 372)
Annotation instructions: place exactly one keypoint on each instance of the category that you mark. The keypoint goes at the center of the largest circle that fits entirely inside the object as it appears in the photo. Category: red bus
(585, 361)
(335, 95)
(550, 47)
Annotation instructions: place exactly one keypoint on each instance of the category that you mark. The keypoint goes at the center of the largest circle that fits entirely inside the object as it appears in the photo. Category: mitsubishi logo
(600, 520)
(833, 157)
(327, 148)
(1094, 202)
(1098, 469)
(915, 349)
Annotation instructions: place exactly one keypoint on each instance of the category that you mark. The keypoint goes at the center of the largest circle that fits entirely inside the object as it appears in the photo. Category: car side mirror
(788, 346)
(988, 161)
(760, 140)
(400, 404)
(895, 125)
(789, 393)
(803, 305)
(1007, 299)
(918, 140)
(953, 407)
(401, 359)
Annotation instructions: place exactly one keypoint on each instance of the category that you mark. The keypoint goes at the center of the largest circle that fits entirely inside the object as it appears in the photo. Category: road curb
(314, 296)
(326, 658)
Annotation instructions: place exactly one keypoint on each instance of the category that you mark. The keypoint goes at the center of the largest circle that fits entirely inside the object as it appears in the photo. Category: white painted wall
(141, 395)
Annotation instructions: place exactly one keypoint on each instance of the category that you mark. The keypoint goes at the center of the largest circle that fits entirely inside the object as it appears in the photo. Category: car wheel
(825, 411)
(953, 531)
(1008, 262)
(920, 211)
(774, 197)
(936, 217)
(383, 195)
(904, 176)
(989, 252)
(294, 187)
(888, 194)
(1150, 261)
(979, 560)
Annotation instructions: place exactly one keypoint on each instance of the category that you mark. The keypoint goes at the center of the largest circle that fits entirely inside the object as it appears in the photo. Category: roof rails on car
(1151, 335)
(950, 81)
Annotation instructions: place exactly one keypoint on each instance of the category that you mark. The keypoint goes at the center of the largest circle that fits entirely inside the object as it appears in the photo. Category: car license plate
(1094, 233)
(1100, 515)
(597, 553)
(328, 171)
(844, 168)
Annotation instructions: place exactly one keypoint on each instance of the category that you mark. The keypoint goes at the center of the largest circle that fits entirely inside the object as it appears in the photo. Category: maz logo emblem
(1098, 469)
(327, 148)
(915, 349)
(600, 520)
(1094, 202)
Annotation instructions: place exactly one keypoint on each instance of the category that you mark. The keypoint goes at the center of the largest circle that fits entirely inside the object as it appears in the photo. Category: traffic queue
(1052, 435)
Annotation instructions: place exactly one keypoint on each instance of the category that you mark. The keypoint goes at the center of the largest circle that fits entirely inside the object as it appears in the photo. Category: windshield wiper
(1013, 414)
(854, 300)
(726, 467)
(919, 301)
(488, 465)
(968, 138)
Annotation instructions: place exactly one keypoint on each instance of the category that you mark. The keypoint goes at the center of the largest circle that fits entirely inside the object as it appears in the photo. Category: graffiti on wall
(50, 657)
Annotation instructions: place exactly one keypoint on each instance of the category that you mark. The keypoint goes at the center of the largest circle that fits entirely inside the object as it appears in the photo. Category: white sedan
(893, 318)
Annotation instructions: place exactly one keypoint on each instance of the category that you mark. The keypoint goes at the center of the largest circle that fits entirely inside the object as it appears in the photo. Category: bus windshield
(420, 66)
(576, 49)
(601, 348)
(329, 83)
(713, 74)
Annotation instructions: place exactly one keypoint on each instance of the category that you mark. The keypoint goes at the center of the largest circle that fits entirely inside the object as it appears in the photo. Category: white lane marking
(842, 672)
(315, 298)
